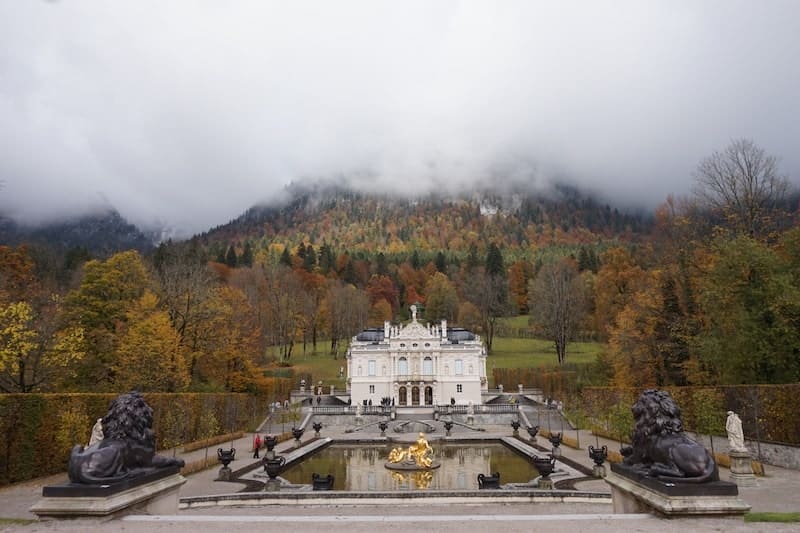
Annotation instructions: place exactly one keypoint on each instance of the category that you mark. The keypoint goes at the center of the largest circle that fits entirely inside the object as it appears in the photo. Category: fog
(187, 113)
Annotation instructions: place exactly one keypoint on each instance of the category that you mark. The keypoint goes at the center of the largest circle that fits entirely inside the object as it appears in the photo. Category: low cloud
(187, 113)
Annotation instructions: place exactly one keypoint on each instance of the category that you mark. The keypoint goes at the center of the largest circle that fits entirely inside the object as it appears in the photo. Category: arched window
(459, 367)
(427, 366)
(402, 366)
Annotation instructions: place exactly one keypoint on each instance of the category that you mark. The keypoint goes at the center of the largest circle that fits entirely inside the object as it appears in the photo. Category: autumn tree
(743, 186)
(519, 274)
(441, 300)
(282, 305)
(749, 312)
(35, 354)
(227, 361)
(347, 311)
(150, 356)
(99, 306)
(618, 279)
(383, 288)
(487, 289)
(557, 299)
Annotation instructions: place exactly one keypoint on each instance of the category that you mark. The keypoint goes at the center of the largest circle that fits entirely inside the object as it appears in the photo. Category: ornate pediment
(415, 330)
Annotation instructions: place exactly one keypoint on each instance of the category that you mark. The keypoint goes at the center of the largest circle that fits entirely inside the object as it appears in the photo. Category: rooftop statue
(659, 447)
(127, 448)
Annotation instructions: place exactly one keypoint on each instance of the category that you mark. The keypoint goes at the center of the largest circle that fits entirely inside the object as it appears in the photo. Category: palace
(416, 365)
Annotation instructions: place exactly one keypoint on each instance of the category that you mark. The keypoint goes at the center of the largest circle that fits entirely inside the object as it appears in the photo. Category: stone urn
(319, 482)
(515, 426)
(297, 433)
(317, 427)
(383, 425)
(448, 425)
(226, 456)
(489, 482)
(555, 440)
(598, 455)
(273, 466)
(270, 442)
(532, 431)
(545, 466)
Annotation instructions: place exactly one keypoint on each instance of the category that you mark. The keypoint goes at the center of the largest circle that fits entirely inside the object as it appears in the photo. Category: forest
(704, 291)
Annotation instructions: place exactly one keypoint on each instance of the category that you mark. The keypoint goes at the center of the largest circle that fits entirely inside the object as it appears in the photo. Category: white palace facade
(416, 365)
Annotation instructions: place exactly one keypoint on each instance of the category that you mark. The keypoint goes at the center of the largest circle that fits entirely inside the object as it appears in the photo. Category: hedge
(768, 412)
(39, 430)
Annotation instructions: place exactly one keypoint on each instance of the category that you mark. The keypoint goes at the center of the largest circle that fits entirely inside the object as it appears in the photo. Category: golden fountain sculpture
(417, 456)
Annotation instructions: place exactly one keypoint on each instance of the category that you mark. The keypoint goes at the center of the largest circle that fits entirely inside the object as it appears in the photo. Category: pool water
(361, 467)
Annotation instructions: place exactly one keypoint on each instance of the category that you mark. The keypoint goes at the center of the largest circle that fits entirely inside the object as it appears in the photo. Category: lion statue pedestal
(664, 471)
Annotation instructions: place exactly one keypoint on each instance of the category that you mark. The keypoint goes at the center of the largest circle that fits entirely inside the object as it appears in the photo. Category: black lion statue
(128, 448)
(659, 447)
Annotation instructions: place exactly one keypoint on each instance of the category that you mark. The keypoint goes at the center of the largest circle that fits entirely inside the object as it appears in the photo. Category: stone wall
(765, 452)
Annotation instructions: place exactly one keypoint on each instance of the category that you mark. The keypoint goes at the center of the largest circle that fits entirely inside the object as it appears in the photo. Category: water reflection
(360, 467)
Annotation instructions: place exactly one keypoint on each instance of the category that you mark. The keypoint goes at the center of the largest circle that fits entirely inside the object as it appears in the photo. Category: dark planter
(317, 427)
(383, 425)
(448, 426)
(555, 440)
(226, 456)
(532, 431)
(270, 442)
(489, 482)
(545, 465)
(297, 433)
(321, 483)
(274, 466)
(598, 455)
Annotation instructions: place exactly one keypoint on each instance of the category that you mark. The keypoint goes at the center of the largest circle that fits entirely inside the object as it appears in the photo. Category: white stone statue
(470, 409)
(97, 432)
(735, 434)
(413, 313)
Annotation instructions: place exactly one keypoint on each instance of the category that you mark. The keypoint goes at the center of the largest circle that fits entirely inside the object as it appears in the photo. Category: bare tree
(348, 309)
(742, 185)
(557, 299)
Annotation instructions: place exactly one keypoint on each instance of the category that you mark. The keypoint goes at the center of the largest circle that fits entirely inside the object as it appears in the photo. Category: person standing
(256, 446)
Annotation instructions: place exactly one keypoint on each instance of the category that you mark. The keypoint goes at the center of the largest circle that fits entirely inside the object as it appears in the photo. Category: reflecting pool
(361, 467)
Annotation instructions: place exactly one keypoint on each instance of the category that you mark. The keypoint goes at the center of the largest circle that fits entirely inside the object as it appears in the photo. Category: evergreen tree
(472, 257)
(221, 256)
(494, 261)
(247, 255)
(230, 258)
(441, 262)
(285, 259)
(326, 260)
(381, 267)
(415, 261)
(310, 259)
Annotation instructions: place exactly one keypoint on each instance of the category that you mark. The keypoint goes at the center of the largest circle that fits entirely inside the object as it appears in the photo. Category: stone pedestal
(546, 484)
(634, 493)
(272, 485)
(224, 474)
(599, 471)
(155, 493)
(742, 469)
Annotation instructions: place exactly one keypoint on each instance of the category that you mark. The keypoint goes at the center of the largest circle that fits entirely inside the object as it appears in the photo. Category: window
(372, 389)
(371, 368)
(359, 370)
(459, 388)
(402, 366)
(459, 367)
(427, 366)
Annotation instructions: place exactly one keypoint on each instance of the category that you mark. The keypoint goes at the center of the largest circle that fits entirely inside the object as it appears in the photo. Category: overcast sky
(187, 113)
